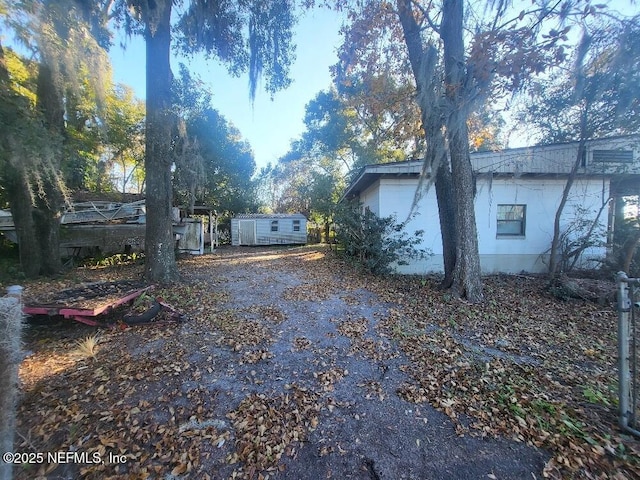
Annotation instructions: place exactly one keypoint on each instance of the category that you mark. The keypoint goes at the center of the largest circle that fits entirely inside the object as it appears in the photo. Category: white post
(211, 240)
(216, 228)
(10, 338)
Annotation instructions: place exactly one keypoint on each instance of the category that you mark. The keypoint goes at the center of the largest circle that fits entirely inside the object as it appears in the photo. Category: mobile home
(269, 229)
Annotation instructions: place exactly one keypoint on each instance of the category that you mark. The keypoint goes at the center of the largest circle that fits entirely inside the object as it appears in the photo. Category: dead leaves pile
(271, 313)
(522, 365)
(130, 407)
(268, 428)
(237, 331)
(355, 330)
(301, 343)
(308, 291)
(329, 377)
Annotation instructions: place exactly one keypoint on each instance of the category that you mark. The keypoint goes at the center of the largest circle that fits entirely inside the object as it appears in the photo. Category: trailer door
(247, 232)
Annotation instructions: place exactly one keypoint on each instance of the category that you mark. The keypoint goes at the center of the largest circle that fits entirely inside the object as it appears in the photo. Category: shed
(269, 229)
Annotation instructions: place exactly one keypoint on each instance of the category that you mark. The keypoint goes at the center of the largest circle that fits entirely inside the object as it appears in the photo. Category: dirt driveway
(286, 369)
(327, 339)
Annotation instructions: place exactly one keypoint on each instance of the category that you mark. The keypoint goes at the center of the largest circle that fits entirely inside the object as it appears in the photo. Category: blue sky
(268, 125)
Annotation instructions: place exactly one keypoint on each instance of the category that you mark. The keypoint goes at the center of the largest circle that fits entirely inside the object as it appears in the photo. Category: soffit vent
(613, 156)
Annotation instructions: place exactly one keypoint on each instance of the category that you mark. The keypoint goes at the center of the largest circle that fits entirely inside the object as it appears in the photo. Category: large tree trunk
(423, 64)
(50, 198)
(46, 217)
(17, 186)
(466, 276)
(447, 215)
(160, 261)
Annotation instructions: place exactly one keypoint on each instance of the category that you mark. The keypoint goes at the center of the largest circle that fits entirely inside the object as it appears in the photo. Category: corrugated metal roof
(550, 159)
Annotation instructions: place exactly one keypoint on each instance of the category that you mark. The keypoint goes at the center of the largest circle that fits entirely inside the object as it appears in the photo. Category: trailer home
(269, 229)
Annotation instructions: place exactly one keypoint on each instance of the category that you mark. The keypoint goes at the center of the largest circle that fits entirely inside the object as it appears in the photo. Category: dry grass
(87, 347)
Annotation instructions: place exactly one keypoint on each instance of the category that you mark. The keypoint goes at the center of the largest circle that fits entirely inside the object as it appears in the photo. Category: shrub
(377, 243)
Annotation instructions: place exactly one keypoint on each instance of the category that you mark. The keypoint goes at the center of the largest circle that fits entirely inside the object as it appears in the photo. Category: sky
(268, 125)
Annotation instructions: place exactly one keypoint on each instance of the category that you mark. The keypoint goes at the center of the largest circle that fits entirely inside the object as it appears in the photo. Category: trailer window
(296, 225)
(274, 225)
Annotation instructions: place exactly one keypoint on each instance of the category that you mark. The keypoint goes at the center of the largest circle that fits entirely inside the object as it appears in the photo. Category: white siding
(497, 254)
(396, 198)
(541, 197)
(264, 236)
(370, 198)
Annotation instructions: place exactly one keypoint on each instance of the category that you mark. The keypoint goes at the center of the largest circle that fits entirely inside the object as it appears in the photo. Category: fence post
(624, 375)
(10, 338)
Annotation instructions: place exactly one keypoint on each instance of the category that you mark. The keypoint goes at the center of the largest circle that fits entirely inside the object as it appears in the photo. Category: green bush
(10, 269)
(377, 243)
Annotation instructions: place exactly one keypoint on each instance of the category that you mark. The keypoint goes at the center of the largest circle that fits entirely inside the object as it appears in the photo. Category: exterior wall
(396, 198)
(263, 234)
(541, 197)
(499, 253)
(370, 198)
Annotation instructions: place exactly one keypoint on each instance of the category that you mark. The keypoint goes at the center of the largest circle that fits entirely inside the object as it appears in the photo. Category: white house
(517, 194)
(269, 229)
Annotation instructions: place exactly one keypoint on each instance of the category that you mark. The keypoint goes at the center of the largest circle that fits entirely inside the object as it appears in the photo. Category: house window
(511, 220)
(296, 225)
(274, 225)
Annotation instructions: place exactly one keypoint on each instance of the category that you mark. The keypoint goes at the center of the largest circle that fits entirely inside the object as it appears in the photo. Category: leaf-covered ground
(294, 365)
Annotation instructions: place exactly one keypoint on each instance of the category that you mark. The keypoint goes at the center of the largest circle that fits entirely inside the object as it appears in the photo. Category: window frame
(506, 221)
(297, 225)
(274, 223)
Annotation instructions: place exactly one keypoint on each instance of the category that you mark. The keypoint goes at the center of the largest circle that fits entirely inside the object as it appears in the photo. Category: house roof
(604, 156)
(370, 173)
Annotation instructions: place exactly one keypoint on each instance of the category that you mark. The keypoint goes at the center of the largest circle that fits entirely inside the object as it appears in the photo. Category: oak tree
(246, 36)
